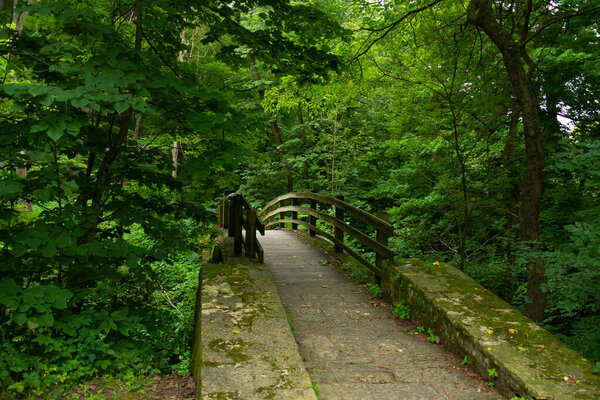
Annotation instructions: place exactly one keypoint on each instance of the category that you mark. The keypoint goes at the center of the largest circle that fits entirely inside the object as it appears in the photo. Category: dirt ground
(168, 387)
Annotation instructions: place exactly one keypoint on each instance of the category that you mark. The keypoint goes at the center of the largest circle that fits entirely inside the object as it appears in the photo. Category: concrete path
(351, 345)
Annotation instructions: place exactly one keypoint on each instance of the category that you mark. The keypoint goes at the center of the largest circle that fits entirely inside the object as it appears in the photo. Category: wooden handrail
(379, 245)
(349, 208)
(358, 235)
(333, 239)
(236, 214)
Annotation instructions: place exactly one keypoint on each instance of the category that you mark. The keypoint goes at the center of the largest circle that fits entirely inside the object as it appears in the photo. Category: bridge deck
(352, 346)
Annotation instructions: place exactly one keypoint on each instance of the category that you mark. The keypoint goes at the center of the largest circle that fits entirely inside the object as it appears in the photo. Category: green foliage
(314, 386)
(375, 290)
(289, 320)
(402, 310)
(465, 362)
(127, 329)
(431, 336)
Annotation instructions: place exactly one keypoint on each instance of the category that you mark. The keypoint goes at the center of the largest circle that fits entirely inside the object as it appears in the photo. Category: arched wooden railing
(235, 214)
(276, 213)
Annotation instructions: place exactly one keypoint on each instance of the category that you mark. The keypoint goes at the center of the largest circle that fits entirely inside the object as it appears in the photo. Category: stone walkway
(351, 345)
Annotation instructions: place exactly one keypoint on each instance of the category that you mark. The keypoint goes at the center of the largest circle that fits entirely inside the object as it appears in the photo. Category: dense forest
(475, 124)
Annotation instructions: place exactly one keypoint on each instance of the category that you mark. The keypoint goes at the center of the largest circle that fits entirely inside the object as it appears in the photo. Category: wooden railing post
(382, 237)
(337, 232)
(230, 213)
(294, 213)
(313, 220)
(226, 206)
(220, 213)
(282, 214)
(235, 224)
(251, 234)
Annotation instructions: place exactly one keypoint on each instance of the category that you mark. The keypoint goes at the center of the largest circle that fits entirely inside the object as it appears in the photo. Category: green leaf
(55, 133)
(63, 240)
(49, 250)
(32, 324)
(46, 320)
(19, 318)
(60, 300)
(42, 126)
(9, 189)
(80, 103)
(121, 107)
(19, 250)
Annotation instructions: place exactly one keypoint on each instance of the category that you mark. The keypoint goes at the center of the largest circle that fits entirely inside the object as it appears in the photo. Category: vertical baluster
(294, 213)
(337, 232)
(312, 219)
(383, 238)
(282, 214)
(251, 234)
(235, 224)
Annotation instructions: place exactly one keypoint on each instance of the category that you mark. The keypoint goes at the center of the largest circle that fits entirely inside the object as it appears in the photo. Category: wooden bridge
(463, 343)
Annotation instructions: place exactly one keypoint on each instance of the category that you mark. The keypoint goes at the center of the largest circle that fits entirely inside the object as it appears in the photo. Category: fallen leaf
(436, 263)
(235, 332)
(218, 306)
(513, 331)
(367, 314)
(489, 349)
(521, 348)
(306, 305)
(489, 331)
(324, 286)
(382, 366)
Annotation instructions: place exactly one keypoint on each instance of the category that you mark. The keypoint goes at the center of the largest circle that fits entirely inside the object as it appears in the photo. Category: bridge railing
(236, 215)
(285, 209)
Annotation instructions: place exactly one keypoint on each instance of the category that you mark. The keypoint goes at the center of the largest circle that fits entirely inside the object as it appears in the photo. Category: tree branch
(388, 28)
(551, 21)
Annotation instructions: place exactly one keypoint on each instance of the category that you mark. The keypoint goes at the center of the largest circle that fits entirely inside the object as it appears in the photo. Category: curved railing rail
(308, 203)
(235, 214)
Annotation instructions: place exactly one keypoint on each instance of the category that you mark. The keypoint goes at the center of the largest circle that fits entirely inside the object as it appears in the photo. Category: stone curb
(247, 348)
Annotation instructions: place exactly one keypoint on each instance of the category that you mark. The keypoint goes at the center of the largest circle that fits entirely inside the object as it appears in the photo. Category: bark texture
(518, 67)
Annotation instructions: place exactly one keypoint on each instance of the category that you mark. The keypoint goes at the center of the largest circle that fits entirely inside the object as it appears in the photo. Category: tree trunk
(275, 128)
(138, 127)
(303, 143)
(508, 161)
(480, 14)
(175, 153)
(333, 159)
(102, 175)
